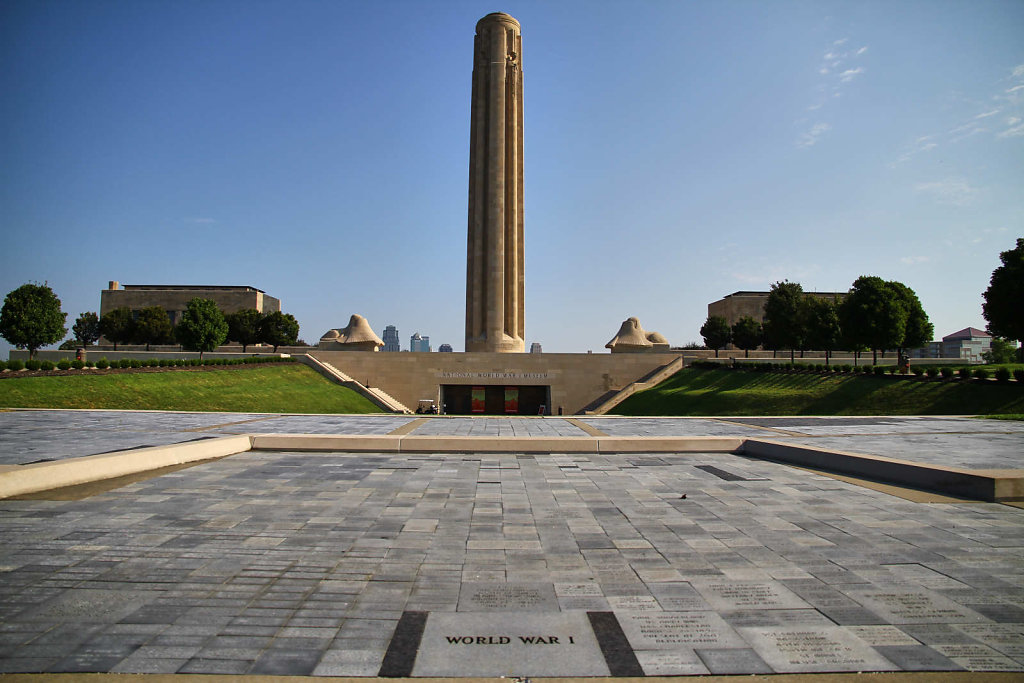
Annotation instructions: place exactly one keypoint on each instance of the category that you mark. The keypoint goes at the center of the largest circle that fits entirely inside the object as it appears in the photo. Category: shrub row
(1001, 374)
(103, 363)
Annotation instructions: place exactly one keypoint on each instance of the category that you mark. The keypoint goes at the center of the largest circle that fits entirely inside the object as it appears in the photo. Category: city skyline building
(391, 340)
(419, 343)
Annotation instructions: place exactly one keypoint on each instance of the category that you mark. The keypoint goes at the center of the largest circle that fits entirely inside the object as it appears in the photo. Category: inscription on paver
(674, 630)
(977, 657)
(1007, 638)
(776, 617)
(577, 590)
(822, 648)
(736, 595)
(915, 607)
(678, 597)
(634, 603)
(666, 663)
(507, 597)
(516, 644)
(882, 635)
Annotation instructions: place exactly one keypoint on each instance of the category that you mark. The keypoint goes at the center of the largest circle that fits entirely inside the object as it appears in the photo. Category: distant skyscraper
(418, 343)
(535, 348)
(391, 342)
(444, 348)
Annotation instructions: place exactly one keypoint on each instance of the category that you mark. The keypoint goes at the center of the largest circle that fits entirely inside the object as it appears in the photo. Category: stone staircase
(377, 396)
(612, 399)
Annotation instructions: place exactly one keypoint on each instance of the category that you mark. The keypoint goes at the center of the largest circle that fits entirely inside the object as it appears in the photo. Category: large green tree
(153, 326)
(1001, 351)
(86, 329)
(202, 326)
(279, 329)
(821, 317)
(244, 327)
(873, 316)
(747, 334)
(917, 330)
(784, 324)
(716, 333)
(31, 318)
(1004, 298)
(118, 326)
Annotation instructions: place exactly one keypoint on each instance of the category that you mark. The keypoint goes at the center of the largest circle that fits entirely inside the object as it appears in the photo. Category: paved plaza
(506, 564)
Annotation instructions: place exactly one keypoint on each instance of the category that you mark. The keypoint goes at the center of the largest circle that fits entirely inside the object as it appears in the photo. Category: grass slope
(728, 392)
(273, 389)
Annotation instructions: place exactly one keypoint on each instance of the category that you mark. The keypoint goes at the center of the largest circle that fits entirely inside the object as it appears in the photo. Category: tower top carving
(498, 18)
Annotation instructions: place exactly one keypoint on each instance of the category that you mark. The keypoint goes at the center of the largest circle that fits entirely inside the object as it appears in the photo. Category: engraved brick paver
(304, 563)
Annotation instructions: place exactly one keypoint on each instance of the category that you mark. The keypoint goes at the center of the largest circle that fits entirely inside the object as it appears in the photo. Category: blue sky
(675, 152)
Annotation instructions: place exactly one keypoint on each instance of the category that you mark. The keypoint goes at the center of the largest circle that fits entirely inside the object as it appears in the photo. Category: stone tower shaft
(494, 268)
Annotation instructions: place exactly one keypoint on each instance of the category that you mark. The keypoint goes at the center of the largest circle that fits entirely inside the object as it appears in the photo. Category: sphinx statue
(632, 338)
(357, 336)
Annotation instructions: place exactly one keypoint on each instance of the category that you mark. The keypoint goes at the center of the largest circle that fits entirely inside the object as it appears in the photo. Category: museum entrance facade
(495, 399)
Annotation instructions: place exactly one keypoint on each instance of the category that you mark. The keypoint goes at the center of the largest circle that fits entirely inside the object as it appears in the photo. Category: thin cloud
(836, 70)
(951, 191)
(1001, 117)
(812, 136)
(913, 260)
(1015, 130)
(849, 74)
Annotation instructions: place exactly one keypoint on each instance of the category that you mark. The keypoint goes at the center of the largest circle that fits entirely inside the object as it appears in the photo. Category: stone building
(174, 298)
(741, 304)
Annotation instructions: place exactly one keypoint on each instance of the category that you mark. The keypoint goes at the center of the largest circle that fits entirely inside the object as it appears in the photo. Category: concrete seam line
(89, 468)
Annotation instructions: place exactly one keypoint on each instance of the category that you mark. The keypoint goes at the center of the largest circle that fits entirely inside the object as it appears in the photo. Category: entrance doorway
(496, 399)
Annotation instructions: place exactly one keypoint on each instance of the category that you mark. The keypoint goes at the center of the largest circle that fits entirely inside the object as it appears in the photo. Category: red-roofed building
(967, 344)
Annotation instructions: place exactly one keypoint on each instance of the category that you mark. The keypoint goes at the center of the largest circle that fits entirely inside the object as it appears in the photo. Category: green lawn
(732, 392)
(290, 388)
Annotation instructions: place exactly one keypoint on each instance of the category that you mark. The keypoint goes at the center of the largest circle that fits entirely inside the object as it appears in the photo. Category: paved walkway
(488, 565)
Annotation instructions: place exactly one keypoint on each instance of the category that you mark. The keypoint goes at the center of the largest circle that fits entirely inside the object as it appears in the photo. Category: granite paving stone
(303, 563)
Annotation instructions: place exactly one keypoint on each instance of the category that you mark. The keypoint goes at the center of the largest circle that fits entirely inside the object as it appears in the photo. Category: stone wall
(576, 379)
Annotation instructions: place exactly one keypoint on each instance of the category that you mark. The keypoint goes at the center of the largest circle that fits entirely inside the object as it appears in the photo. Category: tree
(873, 316)
(153, 326)
(31, 317)
(716, 332)
(1002, 351)
(279, 328)
(1004, 298)
(747, 334)
(821, 317)
(86, 329)
(202, 327)
(917, 330)
(118, 326)
(784, 325)
(244, 327)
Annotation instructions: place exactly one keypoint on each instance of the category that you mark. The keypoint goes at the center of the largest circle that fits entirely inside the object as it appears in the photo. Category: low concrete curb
(394, 443)
(991, 485)
(43, 476)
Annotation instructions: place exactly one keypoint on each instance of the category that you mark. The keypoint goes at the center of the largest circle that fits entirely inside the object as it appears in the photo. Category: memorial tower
(494, 268)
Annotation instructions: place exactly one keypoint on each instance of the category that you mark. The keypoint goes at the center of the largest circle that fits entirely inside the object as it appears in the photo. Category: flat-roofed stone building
(738, 305)
(174, 298)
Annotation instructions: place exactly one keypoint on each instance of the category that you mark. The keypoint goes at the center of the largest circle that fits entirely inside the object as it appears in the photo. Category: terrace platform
(401, 546)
